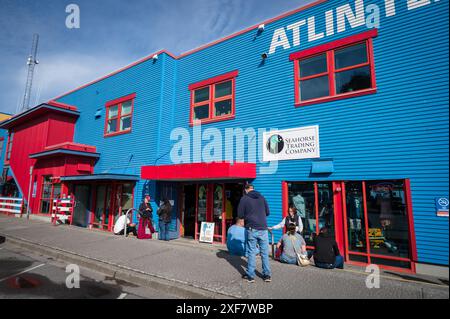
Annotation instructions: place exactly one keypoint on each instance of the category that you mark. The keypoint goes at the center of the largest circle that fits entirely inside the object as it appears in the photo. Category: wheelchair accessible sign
(442, 205)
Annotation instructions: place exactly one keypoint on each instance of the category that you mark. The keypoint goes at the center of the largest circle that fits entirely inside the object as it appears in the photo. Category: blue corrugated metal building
(356, 95)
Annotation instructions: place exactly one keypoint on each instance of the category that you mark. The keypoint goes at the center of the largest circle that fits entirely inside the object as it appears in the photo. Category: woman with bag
(293, 248)
(145, 229)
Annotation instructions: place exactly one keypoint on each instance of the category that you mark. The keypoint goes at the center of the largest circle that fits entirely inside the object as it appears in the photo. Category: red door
(210, 208)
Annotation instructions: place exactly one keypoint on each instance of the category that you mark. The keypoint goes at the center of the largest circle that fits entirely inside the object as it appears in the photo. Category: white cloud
(61, 73)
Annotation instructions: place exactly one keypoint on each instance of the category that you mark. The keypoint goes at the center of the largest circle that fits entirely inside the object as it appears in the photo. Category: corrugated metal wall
(4, 135)
(399, 132)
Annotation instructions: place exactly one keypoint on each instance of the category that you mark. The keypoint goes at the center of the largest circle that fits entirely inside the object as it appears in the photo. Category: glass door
(318, 204)
(100, 218)
(211, 209)
(116, 207)
(378, 223)
(218, 216)
(202, 208)
(81, 208)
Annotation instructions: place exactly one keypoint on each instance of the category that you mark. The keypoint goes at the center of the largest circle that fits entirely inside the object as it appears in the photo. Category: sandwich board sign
(207, 233)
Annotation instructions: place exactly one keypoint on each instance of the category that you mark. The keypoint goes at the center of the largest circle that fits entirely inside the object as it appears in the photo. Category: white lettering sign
(343, 18)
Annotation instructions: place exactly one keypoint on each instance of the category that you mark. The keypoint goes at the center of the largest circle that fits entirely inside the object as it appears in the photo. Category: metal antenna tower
(31, 62)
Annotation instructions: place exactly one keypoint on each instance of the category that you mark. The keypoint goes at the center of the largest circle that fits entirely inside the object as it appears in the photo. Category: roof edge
(68, 109)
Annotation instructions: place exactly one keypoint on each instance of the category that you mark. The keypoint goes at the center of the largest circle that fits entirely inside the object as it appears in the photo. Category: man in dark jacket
(254, 210)
(326, 253)
(165, 218)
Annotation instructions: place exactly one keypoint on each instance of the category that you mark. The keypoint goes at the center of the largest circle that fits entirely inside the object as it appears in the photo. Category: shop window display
(355, 217)
(202, 197)
(218, 209)
(387, 217)
(301, 195)
(326, 211)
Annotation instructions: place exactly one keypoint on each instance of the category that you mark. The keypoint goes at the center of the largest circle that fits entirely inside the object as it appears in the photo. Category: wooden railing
(11, 205)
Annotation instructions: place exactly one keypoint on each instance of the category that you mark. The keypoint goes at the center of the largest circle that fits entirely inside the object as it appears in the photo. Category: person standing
(165, 217)
(253, 208)
(291, 218)
(145, 229)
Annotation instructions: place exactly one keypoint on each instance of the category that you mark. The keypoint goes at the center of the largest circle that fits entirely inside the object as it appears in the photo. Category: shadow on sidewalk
(239, 263)
(33, 285)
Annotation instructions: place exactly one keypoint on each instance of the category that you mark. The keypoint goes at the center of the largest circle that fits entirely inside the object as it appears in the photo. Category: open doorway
(233, 195)
(209, 202)
(189, 210)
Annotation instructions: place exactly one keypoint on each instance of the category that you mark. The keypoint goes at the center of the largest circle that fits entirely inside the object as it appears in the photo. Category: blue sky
(113, 34)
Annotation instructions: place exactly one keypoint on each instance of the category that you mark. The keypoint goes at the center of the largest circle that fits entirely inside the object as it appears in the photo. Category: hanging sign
(207, 232)
(34, 190)
(292, 144)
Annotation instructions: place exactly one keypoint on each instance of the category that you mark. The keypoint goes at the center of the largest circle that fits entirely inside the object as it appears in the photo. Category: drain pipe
(29, 192)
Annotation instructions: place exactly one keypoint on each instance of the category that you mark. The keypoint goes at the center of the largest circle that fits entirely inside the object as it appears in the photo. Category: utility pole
(31, 62)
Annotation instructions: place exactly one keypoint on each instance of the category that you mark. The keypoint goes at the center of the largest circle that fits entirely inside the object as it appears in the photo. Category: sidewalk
(202, 269)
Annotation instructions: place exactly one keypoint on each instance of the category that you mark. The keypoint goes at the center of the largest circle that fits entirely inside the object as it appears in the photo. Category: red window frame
(341, 228)
(211, 84)
(2, 141)
(114, 204)
(45, 183)
(118, 102)
(329, 49)
(368, 253)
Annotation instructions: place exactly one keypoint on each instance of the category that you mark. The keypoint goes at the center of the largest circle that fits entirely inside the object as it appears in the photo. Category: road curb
(178, 288)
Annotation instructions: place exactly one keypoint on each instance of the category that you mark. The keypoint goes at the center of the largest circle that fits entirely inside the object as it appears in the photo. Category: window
(378, 222)
(9, 146)
(1, 145)
(213, 99)
(46, 195)
(118, 115)
(371, 220)
(336, 70)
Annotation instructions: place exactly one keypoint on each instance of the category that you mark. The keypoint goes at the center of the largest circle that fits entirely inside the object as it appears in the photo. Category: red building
(43, 151)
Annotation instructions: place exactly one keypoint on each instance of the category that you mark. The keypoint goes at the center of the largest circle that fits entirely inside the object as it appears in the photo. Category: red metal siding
(29, 138)
(60, 129)
(57, 167)
(33, 137)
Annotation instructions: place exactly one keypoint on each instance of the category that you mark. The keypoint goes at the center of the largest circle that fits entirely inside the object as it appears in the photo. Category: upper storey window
(119, 115)
(213, 99)
(344, 68)
(9, 146)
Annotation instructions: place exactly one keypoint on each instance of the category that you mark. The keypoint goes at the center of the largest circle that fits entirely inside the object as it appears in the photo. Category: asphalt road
(24, 276)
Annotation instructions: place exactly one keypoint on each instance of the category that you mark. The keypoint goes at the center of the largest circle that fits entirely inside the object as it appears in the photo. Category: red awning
(199, 171)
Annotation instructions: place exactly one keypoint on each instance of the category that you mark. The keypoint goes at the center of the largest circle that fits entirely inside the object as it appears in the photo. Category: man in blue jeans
(254, 210)
(165, 217)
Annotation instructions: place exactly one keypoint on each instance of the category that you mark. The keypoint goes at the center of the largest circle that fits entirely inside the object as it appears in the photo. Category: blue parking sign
(442, 205)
